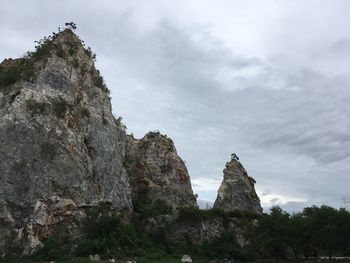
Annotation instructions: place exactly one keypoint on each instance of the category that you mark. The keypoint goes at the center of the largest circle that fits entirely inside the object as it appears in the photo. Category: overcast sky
(268, 80)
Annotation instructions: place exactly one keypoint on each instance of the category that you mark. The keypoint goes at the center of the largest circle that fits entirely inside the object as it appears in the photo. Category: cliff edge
(61, 150)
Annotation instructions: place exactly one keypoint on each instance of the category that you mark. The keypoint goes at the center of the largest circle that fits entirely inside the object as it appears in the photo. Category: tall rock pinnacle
(237, 191)
(61, 149)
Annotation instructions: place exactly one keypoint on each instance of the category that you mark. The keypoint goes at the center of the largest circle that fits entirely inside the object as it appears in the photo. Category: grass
(170, 260)
(138, 260)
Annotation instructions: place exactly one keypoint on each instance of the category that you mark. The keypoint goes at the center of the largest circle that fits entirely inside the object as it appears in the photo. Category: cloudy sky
(268, 80)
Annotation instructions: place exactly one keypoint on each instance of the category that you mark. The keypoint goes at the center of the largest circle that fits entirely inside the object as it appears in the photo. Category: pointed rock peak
(68, 35)
(235, 164)
(62, 49)
(237, 191)
(63, 135)
(60, 58)
(69, 43)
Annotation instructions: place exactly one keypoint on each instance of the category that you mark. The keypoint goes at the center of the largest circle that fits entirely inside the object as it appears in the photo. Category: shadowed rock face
(60, 147)
(237, 191)
(153, 164)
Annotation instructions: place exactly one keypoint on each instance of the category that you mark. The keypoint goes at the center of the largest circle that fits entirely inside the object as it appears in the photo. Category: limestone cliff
(153, 163)
(237, 191)
(61, 149)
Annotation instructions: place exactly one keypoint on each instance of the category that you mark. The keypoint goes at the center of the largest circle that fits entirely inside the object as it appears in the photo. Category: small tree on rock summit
(71, 25)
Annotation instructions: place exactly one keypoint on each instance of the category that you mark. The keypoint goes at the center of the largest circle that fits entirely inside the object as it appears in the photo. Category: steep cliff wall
(62, 151)
(153, 164)
(60, 148)
(237, 191)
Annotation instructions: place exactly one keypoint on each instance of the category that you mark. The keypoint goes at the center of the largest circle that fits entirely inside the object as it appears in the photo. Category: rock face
(237, 191)
(61, 149)
(153, 164)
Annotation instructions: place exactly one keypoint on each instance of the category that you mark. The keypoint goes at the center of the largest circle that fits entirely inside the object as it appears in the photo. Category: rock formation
(61, 149)
(152, 163)
(237, 191)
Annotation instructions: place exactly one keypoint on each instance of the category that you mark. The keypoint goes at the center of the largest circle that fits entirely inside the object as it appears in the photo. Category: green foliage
(108, 236)
(316, 231)
(146, 207)
(21, 69)
(192, 214)
(100, 82)
(60, 52)
(24, 69)
(53, 249)
(12, 249)
(90, 54)
(196, 215)
(71, 25)
(272, 233)
(73, 48)
(58, 105)
(326, 227)
(223, 247)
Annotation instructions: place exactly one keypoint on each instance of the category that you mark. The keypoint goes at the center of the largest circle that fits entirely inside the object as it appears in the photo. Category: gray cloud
(282, 106)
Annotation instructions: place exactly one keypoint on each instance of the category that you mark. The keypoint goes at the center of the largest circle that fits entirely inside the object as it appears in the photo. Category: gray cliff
(61, 150)
(153, 164)
(237, 191)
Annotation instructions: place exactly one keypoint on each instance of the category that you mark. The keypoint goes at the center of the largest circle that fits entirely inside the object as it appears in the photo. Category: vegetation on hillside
(24, 68)
(314, 232)
(317, 231)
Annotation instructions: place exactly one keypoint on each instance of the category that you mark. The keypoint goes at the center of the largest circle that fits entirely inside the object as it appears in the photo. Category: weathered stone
(61, 149)
(152, 163)
(237, 191)
(197, 232)
(186, 259)
(97, 257)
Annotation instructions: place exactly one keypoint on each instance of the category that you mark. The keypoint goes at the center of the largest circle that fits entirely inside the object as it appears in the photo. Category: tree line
(316, 231)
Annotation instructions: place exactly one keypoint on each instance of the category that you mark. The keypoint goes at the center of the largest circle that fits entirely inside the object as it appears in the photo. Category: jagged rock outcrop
(153, 164)
(237, 191)
(61, 149)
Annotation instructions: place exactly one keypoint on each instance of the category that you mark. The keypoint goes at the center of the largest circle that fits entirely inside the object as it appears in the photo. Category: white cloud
(205, 184)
